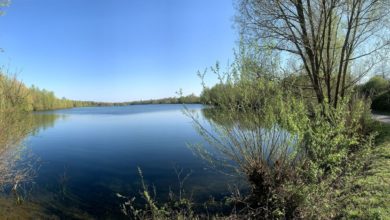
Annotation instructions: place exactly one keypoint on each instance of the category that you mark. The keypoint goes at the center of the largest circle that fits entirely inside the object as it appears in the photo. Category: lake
(83, 157)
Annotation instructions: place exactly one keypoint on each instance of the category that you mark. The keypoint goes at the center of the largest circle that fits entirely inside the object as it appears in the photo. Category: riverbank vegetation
(16, 96)
(367, 196)
(290, 116)
(310, 131)
(287, 115)
(296, 154)
(18, 165)
(16, 124)
(189, 99)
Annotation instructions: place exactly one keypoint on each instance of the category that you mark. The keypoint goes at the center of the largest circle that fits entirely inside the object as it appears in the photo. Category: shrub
(375, 86)
(289, 149)
(381, 102)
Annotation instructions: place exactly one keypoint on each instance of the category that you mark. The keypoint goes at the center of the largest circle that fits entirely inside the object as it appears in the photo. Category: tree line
(189, 99)
(16, 95)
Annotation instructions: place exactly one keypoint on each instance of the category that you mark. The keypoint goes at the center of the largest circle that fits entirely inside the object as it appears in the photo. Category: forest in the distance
(15, 95)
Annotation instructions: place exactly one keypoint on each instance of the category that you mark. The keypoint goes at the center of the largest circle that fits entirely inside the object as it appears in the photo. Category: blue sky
(116, 50)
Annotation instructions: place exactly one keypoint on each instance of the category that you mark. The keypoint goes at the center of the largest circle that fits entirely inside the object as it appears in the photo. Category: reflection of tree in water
(256, 145)
(244, 136)
(17, 164)
(18, 167)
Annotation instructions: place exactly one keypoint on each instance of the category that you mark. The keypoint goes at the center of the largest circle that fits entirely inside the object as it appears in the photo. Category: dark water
(88, 155)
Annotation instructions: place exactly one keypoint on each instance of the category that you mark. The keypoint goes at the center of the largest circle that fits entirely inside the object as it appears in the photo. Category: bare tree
(327, 37)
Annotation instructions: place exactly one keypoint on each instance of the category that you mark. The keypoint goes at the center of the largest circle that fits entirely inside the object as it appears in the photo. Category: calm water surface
(90, 154)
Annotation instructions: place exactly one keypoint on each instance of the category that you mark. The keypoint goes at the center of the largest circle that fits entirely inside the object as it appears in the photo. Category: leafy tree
(328, 38)
(375, 86)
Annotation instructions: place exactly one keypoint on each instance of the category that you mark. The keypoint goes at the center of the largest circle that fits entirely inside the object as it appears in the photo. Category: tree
(375, 86)
(327, 37)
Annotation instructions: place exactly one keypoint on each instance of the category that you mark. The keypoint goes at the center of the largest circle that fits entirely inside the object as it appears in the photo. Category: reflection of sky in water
(99, 149)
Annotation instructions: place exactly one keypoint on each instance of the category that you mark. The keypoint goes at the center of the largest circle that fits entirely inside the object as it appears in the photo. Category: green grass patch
(369, 196)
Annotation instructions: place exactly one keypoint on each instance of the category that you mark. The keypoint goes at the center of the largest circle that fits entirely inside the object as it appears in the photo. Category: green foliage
(368, 196)
(331, 135)
(15, 96)
(258, 138)
(382, 102)
(189, 99)
(179, 208)
(383, 131)
(375, 86)
(242, 95)
(294, 153)
(317, 146)
(362, 192)
(245, 83)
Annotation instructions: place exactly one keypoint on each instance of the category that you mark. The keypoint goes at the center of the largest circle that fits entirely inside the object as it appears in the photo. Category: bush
(375, 86)
(293, 153)
(382, 102)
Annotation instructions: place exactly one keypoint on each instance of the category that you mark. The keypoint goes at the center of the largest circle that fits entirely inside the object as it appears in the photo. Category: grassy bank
(368, 197)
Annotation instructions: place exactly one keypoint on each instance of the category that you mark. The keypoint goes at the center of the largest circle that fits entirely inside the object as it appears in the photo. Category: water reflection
(91, 156)
(18, 165)
(85, 160)
(14, 129)
(242, 139)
